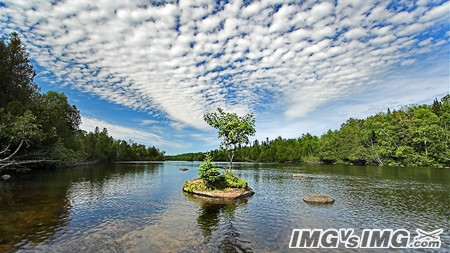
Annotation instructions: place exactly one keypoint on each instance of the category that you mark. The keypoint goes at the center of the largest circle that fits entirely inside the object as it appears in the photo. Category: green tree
(59, 119)
(427, 136)
(18, 124)
(309, 146)
(371, 138)
(14, 133)
(329, 147)
(16, 73)
(42, 127)
(444, 122)
(208, 172)
(234, 130)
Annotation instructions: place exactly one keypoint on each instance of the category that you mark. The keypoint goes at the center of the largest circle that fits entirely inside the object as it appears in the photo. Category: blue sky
(149, 70)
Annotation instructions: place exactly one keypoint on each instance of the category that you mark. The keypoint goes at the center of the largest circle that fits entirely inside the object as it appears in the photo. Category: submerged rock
(318, 199)
(6, 177)
(299, 175)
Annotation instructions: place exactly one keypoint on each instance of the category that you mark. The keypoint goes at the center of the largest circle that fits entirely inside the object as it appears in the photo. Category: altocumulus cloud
(125, 133)
(184, 58)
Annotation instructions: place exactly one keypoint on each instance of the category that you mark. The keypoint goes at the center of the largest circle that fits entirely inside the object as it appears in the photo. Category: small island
(214, 185)
(197, 187)
(211, 183)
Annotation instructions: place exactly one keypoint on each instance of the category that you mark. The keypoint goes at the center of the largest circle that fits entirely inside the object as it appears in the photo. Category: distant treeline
(99, 146)
(38, 129)
(415, 135)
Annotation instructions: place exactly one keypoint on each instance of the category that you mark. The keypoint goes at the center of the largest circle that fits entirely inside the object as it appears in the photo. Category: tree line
(415, 135)
(38, 129)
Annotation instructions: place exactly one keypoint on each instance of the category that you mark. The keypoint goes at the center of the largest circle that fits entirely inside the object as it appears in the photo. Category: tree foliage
(16, 72)
(37, 127)
(415, 135)
(214, 180)
(234, 130)
(208, 172)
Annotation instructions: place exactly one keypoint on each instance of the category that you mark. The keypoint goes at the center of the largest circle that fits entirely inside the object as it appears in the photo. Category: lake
(132, 207)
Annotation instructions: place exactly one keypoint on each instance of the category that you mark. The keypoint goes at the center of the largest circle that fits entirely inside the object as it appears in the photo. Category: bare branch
(15, 163)
(6, 149)
(15, 152)
(4, 165)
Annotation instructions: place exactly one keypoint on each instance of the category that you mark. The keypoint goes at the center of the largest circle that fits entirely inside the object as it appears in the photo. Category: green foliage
(16, 73)
(65, 156)
(208, 172)
(195, 185)
(416, 135)
(99, 146)
(214, 180)
(199, 156)
(14, 129)
(234, 182)
(234, 129)
(41, 127)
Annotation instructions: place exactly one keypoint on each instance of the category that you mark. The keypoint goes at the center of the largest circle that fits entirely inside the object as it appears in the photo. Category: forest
(415, 135)
(43, 129)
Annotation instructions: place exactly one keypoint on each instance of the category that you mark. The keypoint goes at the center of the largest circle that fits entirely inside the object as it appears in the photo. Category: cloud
(126, 133)
(185, 58)
(148, 122)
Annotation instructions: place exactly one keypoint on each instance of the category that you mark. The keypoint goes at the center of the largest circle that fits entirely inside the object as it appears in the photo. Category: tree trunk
(377, 157)
(230, 156)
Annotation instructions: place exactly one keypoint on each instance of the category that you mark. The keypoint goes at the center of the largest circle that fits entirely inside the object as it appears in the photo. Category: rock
(225, 194)
(208, 200)
(184, 169)
(6, 177)
(299, 175)
(318, 199)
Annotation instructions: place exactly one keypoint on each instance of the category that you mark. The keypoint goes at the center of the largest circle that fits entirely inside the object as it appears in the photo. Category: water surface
(141, 208)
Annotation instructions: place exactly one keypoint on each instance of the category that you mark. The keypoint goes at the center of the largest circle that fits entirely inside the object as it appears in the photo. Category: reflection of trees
(31, 213)
(218, 214)
(208, 218)
(36, 205)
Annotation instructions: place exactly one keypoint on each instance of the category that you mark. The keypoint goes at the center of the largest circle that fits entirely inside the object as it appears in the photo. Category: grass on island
(225, 182)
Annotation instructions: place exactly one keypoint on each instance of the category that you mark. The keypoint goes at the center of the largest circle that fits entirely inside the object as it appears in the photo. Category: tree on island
(234, 130)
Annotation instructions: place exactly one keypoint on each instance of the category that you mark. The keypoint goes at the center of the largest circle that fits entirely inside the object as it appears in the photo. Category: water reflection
(216, 219)
(39, 206)
(31, 213)
(141, 208)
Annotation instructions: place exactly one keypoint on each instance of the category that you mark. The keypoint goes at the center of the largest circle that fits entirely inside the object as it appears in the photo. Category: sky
(149, 70)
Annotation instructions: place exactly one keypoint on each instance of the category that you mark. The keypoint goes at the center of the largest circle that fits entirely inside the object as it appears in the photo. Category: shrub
(194, 185)
(213, 179)
(208, 172)
(234, 182)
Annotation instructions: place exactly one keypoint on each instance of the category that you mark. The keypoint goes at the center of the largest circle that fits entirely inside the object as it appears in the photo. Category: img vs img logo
(369, 238)
(427, 239)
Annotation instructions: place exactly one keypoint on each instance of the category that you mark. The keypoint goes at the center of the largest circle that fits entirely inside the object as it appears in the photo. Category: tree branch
(6, 149)
(14, 162)
(15, 152)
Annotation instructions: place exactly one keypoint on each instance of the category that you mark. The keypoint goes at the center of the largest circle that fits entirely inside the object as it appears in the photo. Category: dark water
(141, 208)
